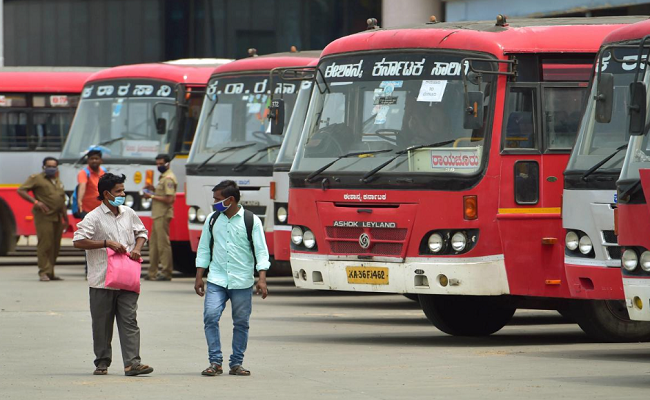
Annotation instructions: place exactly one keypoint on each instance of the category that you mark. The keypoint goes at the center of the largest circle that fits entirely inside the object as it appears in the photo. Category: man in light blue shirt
(231, 261)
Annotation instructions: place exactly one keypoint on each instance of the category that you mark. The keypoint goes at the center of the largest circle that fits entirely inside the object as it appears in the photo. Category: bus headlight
(436, 243)
(129, 201)
(191, 214)
(458, 241)
(630, 260)
(585, 245)
(645, 261)
(200, 215)
(296, 235)
(145, 203)
(572, 240)
(308, 239)
(282, 214)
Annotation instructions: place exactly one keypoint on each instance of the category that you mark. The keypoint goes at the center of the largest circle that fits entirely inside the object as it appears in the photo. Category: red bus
(132, 113)
(431, 163)
(36, 109)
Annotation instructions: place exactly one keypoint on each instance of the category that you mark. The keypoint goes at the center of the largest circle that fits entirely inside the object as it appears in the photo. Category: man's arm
(136, 253)
(261, 255)
(29, 186)
(166, 199)
(202, 257)
(80, 195)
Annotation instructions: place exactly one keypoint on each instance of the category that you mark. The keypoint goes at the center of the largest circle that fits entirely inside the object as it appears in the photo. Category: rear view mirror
(161, 126)
(474, 111)
(637, 108)
(604, 98)
(276, 115)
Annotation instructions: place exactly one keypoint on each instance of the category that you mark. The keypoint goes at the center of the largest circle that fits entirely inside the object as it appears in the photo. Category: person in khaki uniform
(50, 215)
(162, 212)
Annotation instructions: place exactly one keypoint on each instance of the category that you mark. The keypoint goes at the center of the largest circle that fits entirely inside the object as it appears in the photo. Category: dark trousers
(106, 306)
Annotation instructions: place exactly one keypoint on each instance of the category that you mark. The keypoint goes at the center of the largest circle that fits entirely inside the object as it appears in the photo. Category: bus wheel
(609, 321)
(184, 258)
(466, 315)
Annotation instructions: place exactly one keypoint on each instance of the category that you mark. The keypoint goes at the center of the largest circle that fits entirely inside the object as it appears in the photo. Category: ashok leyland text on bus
(37, 105)
(133, 113)
(233, 139)
(431, 163)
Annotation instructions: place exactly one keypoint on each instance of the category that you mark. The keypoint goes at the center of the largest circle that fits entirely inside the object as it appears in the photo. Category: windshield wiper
(364, 179)
(105, 143)
(602, 162)
(222, 150)
(310, 177)
(241, 164)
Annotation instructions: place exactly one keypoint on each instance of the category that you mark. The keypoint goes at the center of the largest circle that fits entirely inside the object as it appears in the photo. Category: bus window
(562, 112)
(189, 121)
(520, 121)
(50, 129)
(13, 131)
(526, 182)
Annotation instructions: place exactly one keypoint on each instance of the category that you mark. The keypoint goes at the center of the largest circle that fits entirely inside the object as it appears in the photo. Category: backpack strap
(213, 220)
(249, 220)
(87, 172)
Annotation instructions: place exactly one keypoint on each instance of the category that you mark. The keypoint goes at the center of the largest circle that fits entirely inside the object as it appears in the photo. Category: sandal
(100, 371)
(239, 371)
(139, 369)
(213, 370)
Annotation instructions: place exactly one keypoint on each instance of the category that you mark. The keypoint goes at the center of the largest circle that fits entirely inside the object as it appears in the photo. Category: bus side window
(526, 182)
(562, 111)
(521, 120)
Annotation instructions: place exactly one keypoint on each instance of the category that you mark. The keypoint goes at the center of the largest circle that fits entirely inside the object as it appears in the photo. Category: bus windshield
(390, 102)
(235, 116)
(294, 129)
(118, 118)
(598, 140)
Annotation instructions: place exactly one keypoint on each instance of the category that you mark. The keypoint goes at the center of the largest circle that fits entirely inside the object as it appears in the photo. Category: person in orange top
(87, 180)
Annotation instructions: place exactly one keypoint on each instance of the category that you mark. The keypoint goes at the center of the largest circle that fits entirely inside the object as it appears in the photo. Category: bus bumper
(593, 282)
(479, 276)
(637, 287)
(282, 243)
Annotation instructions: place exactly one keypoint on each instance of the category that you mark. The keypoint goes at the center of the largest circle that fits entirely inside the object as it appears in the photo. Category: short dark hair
(228, 188)
(94, 153)
(163, 157)
(46, 159)
(107, 182)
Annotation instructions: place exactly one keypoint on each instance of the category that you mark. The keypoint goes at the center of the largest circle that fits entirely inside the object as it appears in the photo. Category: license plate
(367, 275)
(249, 203)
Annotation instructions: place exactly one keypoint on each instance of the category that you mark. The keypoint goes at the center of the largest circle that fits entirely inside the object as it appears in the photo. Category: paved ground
(303, 345)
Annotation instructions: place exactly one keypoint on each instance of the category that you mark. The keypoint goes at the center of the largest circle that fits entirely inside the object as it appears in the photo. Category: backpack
(248, 222)
(75, 196)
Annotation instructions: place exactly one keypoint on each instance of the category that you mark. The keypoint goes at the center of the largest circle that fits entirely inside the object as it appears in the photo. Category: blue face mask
(119, 200)
(220, 206)
(50, 172)
(162, 168)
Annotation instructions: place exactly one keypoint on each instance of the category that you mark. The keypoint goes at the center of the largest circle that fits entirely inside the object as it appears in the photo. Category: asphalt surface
(303, 345)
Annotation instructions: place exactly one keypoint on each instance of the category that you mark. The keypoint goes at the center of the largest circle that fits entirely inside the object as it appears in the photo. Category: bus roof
(44, 79)
(548, 35)
(629, 32)
(269, 61)
(191, 72)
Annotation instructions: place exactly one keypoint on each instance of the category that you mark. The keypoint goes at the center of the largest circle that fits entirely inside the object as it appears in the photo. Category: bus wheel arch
(609, 321)
(7, 229)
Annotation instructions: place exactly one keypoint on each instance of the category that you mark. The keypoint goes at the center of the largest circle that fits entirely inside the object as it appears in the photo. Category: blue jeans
(215, 303)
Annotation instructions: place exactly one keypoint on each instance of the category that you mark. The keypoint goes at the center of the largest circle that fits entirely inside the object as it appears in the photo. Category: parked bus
(132, 113)
(36, 109)
(632, 216)
(431, 163)
(233, 139)
(592, 253)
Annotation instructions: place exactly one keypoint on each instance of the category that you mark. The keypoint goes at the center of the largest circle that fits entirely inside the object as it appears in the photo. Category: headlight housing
(645, 261)
(436, 243)
(630, 260)
(308, 239)
(191, 214)
(129, 201)
(458, 241)
(572, 241)
(282, 214)
(296, 235)
(585, 245)
(200, 215)
(145, 203)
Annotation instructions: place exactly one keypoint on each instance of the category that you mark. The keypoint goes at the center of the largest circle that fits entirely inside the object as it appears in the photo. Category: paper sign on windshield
(140, 148)
(432, 91)
(456, 159)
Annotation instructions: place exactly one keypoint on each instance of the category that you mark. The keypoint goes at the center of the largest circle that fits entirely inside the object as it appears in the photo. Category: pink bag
(122, 272)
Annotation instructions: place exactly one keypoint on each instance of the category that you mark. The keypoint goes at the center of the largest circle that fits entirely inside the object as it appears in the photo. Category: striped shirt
(102, 224)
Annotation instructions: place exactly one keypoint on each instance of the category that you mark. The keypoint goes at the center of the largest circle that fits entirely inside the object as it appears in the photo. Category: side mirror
(161, 126)
(637, 108)
(604, 98)
(276, 115)
(474, 111)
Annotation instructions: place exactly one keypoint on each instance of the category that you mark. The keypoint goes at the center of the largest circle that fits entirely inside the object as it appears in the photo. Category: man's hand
(199, 286)
(41, 206)
(135, 255)
(262, 289)
(116, 247)
(66, 223)
(146, 195)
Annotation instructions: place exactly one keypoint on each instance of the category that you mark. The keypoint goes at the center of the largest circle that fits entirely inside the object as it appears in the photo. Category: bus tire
(466, 315)
(7, 229)
(411, 296)
(609, 321)
(184, 258)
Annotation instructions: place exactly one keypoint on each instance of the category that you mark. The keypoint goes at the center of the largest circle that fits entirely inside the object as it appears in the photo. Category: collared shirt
(232, 263)
(166, 187)
(49, 192)
(90, 201)
(102, 224)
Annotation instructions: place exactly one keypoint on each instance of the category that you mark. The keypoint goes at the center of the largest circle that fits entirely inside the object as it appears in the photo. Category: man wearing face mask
(162, 212)
(50, 215)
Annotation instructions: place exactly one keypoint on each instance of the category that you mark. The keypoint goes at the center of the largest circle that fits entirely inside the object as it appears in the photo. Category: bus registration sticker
(367, 275)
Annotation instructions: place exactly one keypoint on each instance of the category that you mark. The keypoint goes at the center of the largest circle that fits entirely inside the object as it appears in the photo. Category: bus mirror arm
(473, 118)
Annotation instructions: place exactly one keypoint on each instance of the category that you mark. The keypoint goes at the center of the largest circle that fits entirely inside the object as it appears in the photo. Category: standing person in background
(162, 212)
(87, 180)
(50, 215)
(118, 227)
